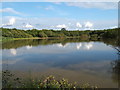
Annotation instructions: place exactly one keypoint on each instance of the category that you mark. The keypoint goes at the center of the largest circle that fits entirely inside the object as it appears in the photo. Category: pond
(75, 60)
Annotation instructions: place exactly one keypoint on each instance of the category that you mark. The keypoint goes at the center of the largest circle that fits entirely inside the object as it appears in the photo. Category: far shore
(9, 38)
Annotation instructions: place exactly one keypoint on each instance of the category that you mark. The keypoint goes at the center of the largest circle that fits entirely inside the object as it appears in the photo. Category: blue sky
(54, 15)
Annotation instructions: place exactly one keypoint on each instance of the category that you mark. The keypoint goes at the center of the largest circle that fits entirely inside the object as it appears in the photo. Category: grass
(4, 39)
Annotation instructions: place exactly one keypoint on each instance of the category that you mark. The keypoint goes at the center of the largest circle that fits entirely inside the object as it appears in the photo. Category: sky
(57, 15)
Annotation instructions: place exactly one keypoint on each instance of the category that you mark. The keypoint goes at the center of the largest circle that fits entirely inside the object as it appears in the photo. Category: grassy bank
(3, 39)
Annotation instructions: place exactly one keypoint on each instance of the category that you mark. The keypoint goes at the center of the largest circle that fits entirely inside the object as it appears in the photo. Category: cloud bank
(70, 24)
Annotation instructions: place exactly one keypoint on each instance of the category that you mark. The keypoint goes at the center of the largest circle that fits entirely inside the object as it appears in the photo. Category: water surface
(76, 60)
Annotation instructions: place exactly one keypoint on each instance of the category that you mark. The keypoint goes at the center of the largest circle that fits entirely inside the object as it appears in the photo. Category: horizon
(60, 29)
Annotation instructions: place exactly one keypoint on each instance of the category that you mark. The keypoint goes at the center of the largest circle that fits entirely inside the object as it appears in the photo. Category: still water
(80, 61)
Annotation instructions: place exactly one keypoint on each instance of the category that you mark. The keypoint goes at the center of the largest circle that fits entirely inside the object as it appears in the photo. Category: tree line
(63, 33)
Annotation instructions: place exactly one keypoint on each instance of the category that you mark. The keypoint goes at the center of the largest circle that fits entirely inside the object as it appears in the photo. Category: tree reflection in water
(116, 63)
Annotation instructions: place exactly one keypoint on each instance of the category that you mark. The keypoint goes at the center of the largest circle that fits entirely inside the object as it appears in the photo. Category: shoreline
(9, 38)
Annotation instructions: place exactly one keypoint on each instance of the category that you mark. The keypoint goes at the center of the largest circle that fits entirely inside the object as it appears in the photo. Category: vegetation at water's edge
(63, 33)
(9, 80)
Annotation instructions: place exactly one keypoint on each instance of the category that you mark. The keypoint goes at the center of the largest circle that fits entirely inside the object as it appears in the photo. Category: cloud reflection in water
(28, 47)
(13, 52)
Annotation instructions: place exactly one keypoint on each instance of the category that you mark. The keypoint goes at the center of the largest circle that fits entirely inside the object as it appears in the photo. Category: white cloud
(13, 51)
(28, 26)
(61, 26)
(78, 25)
(100, 5)
(10, 10)
(11, 22)
(88, 24)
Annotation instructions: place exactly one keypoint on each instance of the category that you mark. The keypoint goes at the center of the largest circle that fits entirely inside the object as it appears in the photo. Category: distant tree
(14, 29)
(42, 34)
(63, 29)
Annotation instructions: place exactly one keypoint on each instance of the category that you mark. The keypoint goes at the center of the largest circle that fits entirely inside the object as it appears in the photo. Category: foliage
(9, 80)
(14, 33)
(63, 29)
(63, 33)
